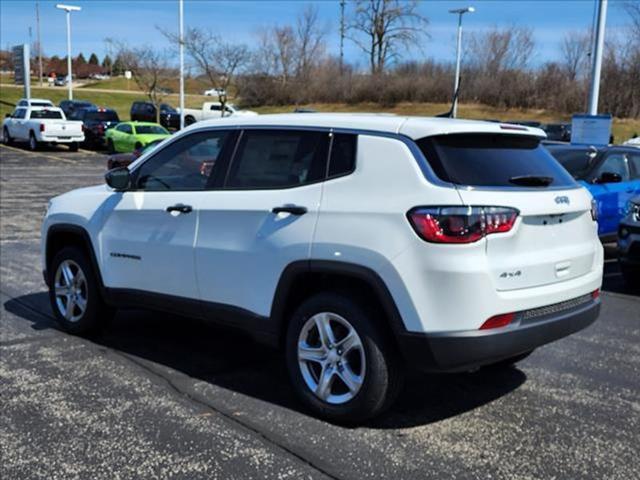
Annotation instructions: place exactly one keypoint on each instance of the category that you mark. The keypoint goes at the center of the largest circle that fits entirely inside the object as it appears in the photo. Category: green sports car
(127, 136)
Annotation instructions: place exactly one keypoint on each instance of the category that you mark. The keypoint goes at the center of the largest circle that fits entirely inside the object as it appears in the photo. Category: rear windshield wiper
(531, 180)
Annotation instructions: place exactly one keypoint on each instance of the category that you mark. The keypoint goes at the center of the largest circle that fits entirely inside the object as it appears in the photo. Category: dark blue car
(611, 174)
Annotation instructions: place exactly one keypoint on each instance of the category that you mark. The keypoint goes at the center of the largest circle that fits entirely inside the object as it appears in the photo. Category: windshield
(46, 114)
(575, 161)
(167, 108)
(151, 129)
(102, 116)
(41, 104)
(493, 160)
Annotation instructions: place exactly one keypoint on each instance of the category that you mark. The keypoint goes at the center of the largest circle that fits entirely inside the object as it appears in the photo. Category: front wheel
(340, 364)
(74, 293)
(6, 138)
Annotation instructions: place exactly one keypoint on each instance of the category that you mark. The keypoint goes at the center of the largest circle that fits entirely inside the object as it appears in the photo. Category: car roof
(136, 123)
(599, 148)
(413, 127)
(34, 100)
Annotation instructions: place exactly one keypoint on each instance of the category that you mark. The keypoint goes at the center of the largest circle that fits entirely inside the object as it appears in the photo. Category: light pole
(68, 9)
(460, 12)
(598, 46)
(181, 39)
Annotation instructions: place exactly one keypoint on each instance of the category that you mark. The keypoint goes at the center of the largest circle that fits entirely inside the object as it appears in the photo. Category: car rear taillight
(498, 321)
(595, 294)
(42, 127)
(461, 224)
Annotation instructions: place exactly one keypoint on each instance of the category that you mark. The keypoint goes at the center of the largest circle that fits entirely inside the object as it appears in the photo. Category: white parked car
(633, 142)
(41, 125)
(34, 102)
(212, 110)
(215, 92)
(362, 245)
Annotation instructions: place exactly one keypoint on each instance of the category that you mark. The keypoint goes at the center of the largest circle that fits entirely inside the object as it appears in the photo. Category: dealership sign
(591, 129)
(22, 67)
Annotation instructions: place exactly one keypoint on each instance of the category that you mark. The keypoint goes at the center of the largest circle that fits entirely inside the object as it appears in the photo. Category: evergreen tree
(93, 59)
(80, 60)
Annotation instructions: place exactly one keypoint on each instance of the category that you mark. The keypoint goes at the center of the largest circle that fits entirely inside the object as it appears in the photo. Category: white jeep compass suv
(362, 245)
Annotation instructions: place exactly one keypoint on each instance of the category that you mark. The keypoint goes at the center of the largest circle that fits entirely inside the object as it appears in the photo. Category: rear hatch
(554, 238)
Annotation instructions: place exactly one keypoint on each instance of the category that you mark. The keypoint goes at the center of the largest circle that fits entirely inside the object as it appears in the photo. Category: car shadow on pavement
(233, 361)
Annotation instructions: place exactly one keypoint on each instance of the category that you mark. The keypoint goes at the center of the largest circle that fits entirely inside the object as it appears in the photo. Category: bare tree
(382, 27)
(633, 9)
(498, 50)
(575, 49)
(218, 60)
(310, 39)
(150, 68)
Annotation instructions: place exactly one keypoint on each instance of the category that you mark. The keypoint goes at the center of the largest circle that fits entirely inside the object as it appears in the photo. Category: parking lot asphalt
(157, 396)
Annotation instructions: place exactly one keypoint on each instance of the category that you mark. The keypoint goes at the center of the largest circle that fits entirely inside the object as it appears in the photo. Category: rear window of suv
(493, 160)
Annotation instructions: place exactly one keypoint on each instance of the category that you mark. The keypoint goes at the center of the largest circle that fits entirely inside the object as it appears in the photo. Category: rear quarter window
(492, 160)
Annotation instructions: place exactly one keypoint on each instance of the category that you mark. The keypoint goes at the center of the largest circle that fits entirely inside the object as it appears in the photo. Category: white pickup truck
(212, 110)
(41, 125)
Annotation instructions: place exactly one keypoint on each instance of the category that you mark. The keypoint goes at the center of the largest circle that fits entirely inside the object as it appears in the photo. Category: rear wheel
(189, 120)
(74, 294)
(33, 143)
(340, 364)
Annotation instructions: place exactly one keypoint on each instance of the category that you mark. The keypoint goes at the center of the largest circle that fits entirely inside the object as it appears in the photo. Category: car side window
(215, 108)
(184, 165)
(634, 160)
(124, 128)
(614, 163)
(343, 154)
(20, 113)
(278, 159)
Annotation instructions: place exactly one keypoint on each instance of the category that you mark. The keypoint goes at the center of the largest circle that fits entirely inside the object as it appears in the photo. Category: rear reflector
(595, 294)
(498, 321)
(461, 224)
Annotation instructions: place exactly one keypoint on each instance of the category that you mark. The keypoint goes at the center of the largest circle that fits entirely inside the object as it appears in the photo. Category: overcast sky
(135, 21)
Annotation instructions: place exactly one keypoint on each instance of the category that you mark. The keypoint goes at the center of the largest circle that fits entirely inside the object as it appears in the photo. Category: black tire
(110, 146)
(631, 276)
(96, 312)
(189, 120)
(383, 376)
(511, 361)
(33, 143)
(73, 147)
(137, 146)
(6, 138)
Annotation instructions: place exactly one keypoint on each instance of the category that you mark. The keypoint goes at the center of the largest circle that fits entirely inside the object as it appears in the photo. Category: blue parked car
(611, 174)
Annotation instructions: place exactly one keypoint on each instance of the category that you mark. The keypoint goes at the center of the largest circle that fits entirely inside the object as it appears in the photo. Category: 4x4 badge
(562, 199)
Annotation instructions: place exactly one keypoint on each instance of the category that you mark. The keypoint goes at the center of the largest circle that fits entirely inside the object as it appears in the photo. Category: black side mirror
(7, 115)
(119, 178)
(608, 177)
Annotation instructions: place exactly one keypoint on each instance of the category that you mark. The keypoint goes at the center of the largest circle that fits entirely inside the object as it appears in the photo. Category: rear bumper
(469, 349)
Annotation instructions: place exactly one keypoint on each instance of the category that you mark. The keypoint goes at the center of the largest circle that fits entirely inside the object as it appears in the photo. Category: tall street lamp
(460, 12)
(68, 9)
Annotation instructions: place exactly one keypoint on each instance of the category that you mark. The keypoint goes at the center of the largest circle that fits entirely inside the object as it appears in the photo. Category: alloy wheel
(331, 358)
(71, 290)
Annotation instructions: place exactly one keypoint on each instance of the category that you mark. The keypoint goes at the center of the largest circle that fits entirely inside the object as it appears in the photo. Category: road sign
(591, 129)
(22, 67)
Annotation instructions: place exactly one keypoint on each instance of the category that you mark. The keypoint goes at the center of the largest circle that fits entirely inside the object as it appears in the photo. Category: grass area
(120, 102)
(192, 86)
(623, 128)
